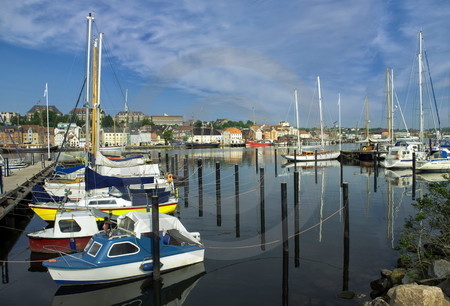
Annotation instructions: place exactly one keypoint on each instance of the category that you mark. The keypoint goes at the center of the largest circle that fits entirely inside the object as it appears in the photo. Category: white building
(232, 136)
(73, 135)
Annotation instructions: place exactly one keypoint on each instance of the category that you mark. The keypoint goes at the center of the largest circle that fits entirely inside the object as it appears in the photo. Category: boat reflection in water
(399, 178)
(312, 164)
(432, 177)
(173, 289)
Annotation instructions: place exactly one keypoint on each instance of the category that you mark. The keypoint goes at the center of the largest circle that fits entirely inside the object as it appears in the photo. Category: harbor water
(241, 229)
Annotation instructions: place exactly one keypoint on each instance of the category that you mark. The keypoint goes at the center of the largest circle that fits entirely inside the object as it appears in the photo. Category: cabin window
(102, 202)
(122, 249)
(95, 247)
(69, 226)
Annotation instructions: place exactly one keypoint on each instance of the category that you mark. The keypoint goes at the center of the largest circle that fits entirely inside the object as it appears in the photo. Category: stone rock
(385, 273)
(417, 295)
(380, 284)
(346, 295)
(379, 301)
(445, 286)
(439, 269)
(397, 276)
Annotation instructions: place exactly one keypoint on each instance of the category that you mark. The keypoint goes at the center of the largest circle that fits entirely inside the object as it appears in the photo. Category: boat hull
(397, 163)
(115, 273)
(311, 156)
(53, 245)
(434, 165)
(48, 213)
(258, 144)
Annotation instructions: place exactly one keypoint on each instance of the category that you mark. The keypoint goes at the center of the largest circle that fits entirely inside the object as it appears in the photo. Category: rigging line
(432, 91)
(278, 240)
(72, 118)
(108, 52)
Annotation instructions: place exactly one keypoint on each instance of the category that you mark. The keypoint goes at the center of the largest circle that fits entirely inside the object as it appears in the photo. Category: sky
(233, 59)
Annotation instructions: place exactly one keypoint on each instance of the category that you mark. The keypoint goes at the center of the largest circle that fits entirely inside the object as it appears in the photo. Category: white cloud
(282, 44)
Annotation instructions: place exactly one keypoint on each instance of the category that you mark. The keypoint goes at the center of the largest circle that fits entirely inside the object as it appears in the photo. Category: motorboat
(71, 232)
(126, 252)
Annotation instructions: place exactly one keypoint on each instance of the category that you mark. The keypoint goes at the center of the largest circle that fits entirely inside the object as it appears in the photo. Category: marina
(234, 197)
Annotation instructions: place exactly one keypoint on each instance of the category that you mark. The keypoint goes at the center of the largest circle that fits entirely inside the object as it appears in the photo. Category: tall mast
(367, 118)
(389, 103)
(48, 124)
(96, 79)
(392, 105)
(320, 111)
(340, 138)
(89, 18)
(419, 57)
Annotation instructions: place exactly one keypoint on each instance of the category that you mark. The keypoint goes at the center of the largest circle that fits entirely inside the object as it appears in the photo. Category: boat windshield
(95, 247)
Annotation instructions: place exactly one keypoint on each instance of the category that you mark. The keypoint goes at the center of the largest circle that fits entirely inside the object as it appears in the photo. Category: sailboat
(303, 155)
(133, 175)
(401, 154)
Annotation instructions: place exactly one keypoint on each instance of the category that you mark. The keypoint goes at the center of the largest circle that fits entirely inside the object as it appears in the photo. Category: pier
(17, 186)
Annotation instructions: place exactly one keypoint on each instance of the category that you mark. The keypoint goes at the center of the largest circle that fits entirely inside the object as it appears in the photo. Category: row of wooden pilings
(284, 213)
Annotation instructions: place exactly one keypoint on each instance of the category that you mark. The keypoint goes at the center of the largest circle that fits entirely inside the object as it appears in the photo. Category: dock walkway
(18, 184)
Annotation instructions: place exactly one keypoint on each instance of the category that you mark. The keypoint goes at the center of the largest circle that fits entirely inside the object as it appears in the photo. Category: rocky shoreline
(396, 287)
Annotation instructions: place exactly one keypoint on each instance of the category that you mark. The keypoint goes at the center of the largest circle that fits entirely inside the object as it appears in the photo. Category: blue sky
(230, 59)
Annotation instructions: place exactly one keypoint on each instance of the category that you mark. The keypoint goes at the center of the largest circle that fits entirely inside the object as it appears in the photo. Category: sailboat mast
(367, 118)
(392, 105)
(389, 103)
(320, 111)
(339, 130)
(297, 120)
(419, 57)
(96, 69)
(89, 18)
(48, 124)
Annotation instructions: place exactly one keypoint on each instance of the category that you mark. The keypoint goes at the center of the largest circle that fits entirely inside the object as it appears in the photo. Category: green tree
(107, 121)
(147, 121)
(168, 136)
(427, 234)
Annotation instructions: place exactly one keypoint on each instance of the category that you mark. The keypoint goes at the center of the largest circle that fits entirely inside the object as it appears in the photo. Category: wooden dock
(17, 186)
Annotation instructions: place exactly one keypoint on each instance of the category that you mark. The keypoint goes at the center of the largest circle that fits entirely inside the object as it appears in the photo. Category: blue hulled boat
(125, 252)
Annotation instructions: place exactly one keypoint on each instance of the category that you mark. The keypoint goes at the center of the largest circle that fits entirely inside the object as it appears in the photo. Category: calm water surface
(244, 259)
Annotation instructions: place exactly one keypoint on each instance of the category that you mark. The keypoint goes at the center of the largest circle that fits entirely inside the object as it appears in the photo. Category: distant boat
(195, 145)
(400, 156)
(259, 143)
(438, 162)
(126, 252)
(302, 155)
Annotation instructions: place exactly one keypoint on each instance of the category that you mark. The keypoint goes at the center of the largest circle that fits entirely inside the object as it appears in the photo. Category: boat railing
(63, 255)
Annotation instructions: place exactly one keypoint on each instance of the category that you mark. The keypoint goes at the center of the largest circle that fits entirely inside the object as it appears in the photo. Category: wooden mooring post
(345, 276)
(285, 239)
(200, 187)
(186, 181)
(218, 196)
(236, 196)
(262, 209)
(155, 240)
(296, 220)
